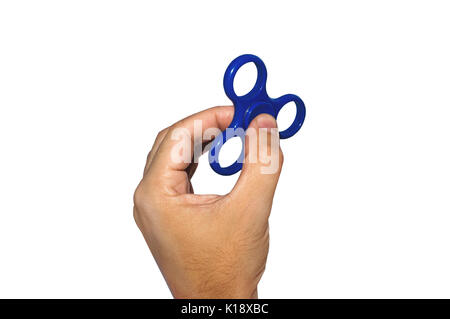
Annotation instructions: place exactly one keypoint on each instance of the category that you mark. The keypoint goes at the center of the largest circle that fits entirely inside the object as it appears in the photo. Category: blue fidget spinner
(249, 106)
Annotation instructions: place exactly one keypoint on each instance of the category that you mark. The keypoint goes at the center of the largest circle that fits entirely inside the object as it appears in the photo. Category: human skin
(207, 246)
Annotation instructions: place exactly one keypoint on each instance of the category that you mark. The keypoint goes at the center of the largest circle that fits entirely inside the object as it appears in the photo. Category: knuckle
(144, 205)
(139, 196)
(162, 133)
(146, 197)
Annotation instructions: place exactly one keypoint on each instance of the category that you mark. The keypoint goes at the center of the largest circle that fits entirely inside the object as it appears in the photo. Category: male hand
(209, 246)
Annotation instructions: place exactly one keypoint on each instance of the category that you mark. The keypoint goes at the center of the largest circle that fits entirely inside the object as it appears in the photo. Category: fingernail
(266, 121)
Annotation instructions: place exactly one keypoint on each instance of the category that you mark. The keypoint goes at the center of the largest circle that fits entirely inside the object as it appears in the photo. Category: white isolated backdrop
(362, 208)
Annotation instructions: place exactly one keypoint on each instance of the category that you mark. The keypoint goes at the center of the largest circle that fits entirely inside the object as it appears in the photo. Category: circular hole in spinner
(245, 79)
(286, 116)
(230, 151)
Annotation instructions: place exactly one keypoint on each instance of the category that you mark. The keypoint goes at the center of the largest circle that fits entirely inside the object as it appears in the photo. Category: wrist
(218, 292)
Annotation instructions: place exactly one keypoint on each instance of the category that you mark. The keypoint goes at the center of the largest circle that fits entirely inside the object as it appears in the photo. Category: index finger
(164, 162)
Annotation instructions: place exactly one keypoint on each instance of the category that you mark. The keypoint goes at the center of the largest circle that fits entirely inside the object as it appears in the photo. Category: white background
(362, 208)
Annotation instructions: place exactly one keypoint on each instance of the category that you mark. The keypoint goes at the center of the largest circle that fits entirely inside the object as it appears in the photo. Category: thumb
(262, 163)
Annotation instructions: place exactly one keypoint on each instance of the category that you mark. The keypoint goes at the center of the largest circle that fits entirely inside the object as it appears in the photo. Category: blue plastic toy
(247, 107)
